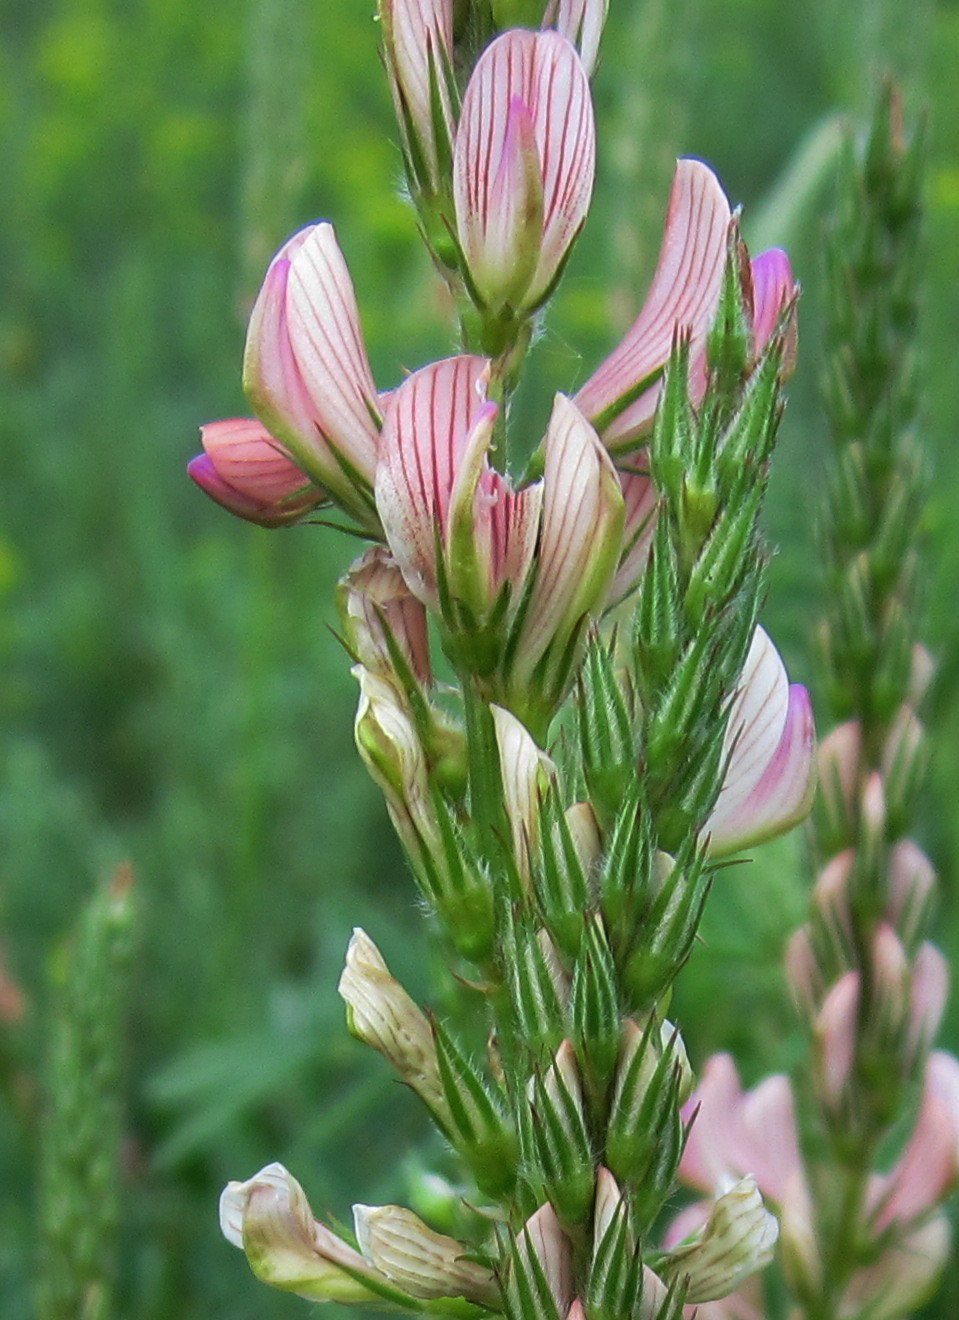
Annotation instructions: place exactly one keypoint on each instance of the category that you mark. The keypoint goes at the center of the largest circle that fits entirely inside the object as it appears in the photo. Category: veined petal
(245, 469)
(684, 294)
(541, 72)
(736, 1241)
(327, 344)
(713, 1148)
(373, 599)
(416, 33)
(543, 1236)
(425, 433)
(770, 776)
(580, 536)
(525, 771)
(641, 501)
(581, 22)
(423, 1263)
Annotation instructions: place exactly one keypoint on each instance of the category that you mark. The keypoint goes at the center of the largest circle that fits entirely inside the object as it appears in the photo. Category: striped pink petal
(247, 471)
(416, 32)
(641, 499)
(684, 294)
(491, 189)
(580, 535)
(770, 777)
(305, 368)
(425, 433)
(581, 22)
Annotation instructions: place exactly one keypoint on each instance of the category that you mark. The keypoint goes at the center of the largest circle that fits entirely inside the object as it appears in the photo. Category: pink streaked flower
(581, 22)
(736, 1133)
(248, 472)
(621, 396)
(770, 742)
(928, 1169)
(306, 372)
(463, 537)
(377, 608)
(523, 166)
(417, 42)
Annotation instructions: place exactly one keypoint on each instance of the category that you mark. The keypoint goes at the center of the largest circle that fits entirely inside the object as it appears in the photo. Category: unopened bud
(912, 883)
(835, 1030)
(382, 1014)
(737, 1241)
(382, 621)
(540, 1280)
(423, 1263)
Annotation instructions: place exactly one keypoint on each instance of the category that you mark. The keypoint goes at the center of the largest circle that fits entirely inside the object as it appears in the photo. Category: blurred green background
(170, 691)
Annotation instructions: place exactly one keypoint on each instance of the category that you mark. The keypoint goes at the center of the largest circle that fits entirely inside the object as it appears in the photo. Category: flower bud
(839, 761)
(770, 753)
(526, 773)
(928, 993)
(423, 1263)
(244, 469)
(539, 1283)
(581, 22)
(418, 43)
(562, 1142)
(269, 1217)
(380, 615)
(381, 1014)
(523, 166)
(835, 1030)
(912, 883)
(306, 372)
(802, 971)
(737, 1241)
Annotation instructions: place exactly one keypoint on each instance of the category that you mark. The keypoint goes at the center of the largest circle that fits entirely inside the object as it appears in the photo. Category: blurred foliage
(170, 691)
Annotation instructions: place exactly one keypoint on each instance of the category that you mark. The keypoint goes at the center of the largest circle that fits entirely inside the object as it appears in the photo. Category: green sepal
(605, 729)
(560, 883)
(673, 442)
(563, 1153)
(594, 1010)
(658, 627)
(614, 1287)
(540, 1015)
(481, 1133)
(666, 937)
(526, 1293)
(626, 874)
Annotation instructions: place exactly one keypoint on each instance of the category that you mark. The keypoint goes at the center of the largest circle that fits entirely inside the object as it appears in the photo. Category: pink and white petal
(684, 294)
(327, 344)
(425, 432)
(713, 1151)
(514, 224)
(543, 1233)
(566, 138)
(271, 376)
(580, 536)
(641, 501)
(770, 1135)
(783, 794)
(414, 30)
(581, 22)
(510, 521)
(928, 1169)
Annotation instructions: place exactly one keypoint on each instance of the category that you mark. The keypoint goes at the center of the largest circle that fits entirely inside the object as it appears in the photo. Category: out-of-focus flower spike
(424, 1264)
(835, 1031)
(803, 972)
(247, 471)
(526, 773)
(928, 992)
(770, 777)
(580, 535)
(417, 43)
(912, 884)
(928, 1169)
(737, 1241)
(381, 1014)
(581, 22)
(620, 397)
(905, 1275)
(773, 290)
(375, 603)
(306, 372)
(499, 209)
(839, 760)
(269, 1217)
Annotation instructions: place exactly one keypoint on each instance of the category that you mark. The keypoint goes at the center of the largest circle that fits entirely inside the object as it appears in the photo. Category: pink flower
(248, 472)
(770, 742)
(475, 549)
(417, 43)
(581, 22)
(306, 372)
(735, 1134)
(523, 166)
(620, 397)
